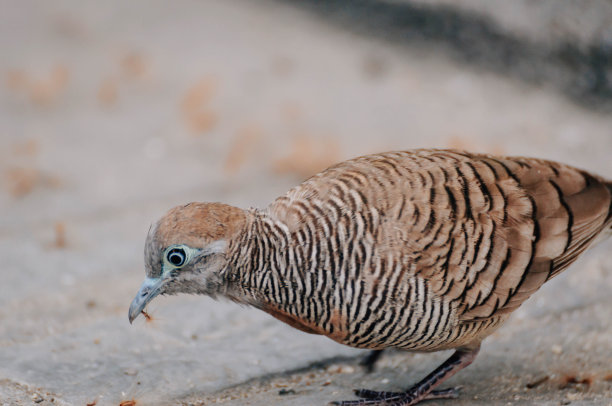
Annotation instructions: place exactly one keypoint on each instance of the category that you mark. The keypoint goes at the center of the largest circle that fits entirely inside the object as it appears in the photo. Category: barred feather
(419, 250)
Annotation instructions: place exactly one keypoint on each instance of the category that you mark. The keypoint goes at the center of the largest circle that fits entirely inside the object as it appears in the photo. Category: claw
(450, 393)
(370, 394)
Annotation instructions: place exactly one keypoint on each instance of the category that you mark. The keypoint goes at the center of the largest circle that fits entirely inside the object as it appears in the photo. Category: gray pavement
(112, 112)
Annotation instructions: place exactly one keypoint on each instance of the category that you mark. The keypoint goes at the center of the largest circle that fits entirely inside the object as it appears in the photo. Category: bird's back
(431, 249)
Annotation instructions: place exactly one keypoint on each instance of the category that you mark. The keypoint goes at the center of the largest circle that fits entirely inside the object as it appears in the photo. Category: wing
(503, 226)
(485, 232)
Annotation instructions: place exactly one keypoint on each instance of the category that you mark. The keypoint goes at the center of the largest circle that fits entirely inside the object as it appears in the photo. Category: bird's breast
(337, 332)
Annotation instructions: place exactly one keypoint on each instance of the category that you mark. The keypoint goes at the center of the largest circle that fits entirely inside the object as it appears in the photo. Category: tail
(607, 230)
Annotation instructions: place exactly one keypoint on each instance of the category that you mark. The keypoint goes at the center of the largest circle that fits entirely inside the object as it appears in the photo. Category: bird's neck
(260, 263)
(276, 271)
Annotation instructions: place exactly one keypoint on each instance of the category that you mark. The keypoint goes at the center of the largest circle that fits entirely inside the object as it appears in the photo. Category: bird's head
(185, 251)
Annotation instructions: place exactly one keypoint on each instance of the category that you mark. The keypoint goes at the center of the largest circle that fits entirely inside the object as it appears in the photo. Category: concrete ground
(112, 112)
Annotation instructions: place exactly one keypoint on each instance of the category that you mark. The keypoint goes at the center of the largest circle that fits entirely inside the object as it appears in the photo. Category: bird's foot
(450, 393)
(408, 398)
(424, 390)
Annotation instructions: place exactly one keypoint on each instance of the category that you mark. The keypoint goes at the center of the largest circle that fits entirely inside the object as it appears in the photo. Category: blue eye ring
(176, 257)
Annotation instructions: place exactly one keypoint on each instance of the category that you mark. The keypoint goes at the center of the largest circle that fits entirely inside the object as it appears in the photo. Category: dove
(422, 250)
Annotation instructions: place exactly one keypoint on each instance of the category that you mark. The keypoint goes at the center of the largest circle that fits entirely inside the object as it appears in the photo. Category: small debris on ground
(556, 349)
(568, 380)
(60, 235)
(537, 382)
(147, 316)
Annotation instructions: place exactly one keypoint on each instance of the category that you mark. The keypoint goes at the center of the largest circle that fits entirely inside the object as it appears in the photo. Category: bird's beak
(150, 288)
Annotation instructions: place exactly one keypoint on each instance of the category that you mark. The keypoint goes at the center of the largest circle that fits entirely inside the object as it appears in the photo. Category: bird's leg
(422, 390)
(369, 360)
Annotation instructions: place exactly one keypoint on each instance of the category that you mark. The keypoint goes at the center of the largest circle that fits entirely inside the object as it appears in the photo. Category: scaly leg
(422, 390)
(450, 393)
(369, 360)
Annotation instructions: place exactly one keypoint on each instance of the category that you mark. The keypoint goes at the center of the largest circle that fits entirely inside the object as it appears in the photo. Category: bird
(419, 250)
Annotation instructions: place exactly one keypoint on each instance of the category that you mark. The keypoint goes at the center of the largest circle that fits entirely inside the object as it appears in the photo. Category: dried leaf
(60, 235)
(195, 110)
(309, 156)
(568, 380)
(21, 181)
(107, 92)
(198, 95)
(46, 91)
(17, 80)
(201, 121)
(27, 148)
(242, 147)
(134, 65)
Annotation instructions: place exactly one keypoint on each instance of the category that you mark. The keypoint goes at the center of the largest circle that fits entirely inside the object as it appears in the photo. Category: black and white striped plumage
(418, 250)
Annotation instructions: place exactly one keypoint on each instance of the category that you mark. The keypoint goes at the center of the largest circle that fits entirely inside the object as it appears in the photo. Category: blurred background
(112, 112)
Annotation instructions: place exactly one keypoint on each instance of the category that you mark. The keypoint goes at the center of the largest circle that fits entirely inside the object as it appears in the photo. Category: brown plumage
(420, 250)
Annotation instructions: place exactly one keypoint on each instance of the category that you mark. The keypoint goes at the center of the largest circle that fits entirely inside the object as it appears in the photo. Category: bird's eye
(176, 256)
